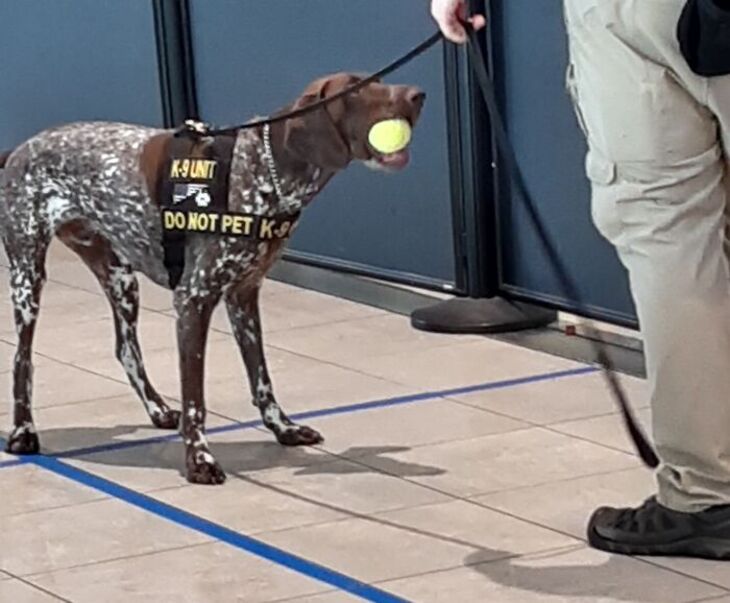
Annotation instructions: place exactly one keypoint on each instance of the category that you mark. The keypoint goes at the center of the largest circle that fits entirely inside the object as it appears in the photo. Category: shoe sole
(700, 548)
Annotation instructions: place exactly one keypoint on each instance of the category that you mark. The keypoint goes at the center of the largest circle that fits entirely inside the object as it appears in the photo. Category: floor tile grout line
(336, 365)
(443, 570)
(594, 442)
(347, 514)
(168, 309)
(379, 516)
(550, 423)
(323, 447)
(603, 415)
(458, 440)
(35, 511)
(168, 396)
(219, 532)
(334, 411)
(507, 557)
(457, 497)
(712, 599)
(69, 364)
(33, 586)
(34, 575)
(307, 326)
(47, 407)
(121, 381)
(565, 480)
(553, 427)
(327, 593)
(369, 374)
(169, 312)
(504, 415)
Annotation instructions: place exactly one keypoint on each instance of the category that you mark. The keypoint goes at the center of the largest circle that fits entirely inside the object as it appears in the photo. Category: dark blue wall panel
(67, 60)
(254, 57)
(531, 50)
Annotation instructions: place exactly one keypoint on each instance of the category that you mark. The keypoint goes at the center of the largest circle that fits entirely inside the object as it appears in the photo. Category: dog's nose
(415, 96)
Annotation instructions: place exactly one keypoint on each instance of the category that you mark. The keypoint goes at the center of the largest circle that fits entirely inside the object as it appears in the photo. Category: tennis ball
(390, 135)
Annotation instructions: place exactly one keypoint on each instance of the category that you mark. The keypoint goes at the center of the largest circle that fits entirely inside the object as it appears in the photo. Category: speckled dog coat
(94, 185)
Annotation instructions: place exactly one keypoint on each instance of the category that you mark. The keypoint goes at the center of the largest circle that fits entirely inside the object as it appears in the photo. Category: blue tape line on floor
(338, 410)
(445, 393)
(11, 462)
(218, 532)
(240, 541)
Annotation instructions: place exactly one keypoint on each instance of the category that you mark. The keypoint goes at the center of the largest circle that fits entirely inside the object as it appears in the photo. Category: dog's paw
(23, 441)
(299, 435)
(206, 472)
(166, 418)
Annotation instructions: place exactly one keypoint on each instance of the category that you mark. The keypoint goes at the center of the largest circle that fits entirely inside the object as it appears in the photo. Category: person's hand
(450, 14)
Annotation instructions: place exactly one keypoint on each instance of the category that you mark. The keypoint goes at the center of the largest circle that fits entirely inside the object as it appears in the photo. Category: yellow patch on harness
(196, 169)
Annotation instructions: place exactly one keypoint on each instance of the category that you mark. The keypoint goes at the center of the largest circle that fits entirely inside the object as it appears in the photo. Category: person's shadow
(617, 578)
(550, 573)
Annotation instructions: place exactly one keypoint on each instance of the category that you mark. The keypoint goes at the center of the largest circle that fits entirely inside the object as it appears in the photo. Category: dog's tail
(4, 158)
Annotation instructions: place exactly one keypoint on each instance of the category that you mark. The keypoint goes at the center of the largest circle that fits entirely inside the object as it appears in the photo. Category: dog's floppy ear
(315, 137)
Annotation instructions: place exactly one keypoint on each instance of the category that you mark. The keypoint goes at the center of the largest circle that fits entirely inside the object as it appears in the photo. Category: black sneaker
(652, 529)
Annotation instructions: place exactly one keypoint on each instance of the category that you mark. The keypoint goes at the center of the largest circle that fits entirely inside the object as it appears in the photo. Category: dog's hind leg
(243, 312)
(121, 288)
(26, 251)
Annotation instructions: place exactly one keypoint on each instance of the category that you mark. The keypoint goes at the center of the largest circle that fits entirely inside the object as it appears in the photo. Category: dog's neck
(253, 189)
(290, 167)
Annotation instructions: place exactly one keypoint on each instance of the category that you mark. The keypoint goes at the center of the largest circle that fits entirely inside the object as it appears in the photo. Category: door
(254, 57)
(530, 50)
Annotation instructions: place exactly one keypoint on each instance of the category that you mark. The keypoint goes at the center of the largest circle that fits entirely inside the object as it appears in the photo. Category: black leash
(644, 448)
(378, 75)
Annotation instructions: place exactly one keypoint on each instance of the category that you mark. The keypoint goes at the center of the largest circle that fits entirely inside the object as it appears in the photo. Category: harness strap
(194, 192)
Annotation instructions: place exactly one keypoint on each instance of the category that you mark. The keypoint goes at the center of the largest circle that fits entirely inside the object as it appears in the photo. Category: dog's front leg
(243, 312)
(194, 313)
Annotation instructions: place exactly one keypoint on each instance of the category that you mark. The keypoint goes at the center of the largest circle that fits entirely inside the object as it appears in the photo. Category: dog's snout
(415, 96)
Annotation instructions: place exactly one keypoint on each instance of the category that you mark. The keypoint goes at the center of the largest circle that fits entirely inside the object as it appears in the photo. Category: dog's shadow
(249, 452)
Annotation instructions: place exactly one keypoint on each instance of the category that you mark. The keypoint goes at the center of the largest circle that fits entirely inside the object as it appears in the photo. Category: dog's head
(332, 136)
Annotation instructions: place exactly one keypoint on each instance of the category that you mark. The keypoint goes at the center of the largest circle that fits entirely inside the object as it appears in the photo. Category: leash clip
(194, 126)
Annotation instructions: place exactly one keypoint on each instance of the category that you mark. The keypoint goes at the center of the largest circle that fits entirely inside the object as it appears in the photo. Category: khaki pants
(660, 196)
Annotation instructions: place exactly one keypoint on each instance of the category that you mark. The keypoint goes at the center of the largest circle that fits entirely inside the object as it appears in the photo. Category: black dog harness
(194, 191)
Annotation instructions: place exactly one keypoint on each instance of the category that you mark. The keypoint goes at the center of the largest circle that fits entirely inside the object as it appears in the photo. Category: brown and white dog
(93, 185)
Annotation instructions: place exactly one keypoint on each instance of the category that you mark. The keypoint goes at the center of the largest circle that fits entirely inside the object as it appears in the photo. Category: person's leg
(658, 172)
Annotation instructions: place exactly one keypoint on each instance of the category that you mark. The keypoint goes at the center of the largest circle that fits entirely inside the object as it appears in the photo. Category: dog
(94, 186)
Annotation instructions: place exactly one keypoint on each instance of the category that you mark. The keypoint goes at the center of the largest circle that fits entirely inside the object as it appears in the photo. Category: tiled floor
(455, 469)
